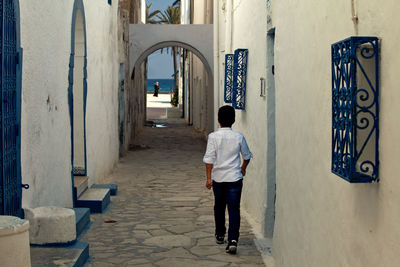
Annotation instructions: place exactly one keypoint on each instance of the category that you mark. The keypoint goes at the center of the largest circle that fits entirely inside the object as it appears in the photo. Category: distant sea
(165, 85)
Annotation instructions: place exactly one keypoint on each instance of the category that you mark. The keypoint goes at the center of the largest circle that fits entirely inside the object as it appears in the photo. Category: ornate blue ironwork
(355, 109)
(228, 90)
(10, 54)
(239, 78)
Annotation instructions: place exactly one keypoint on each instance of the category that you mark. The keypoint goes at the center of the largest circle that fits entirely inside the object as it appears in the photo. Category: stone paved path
(163, 212)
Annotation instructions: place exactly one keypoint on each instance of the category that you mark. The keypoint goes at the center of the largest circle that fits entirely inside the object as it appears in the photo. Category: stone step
(75, 255)
(113, 188)
(82, 217)
(80, 184)
(96, 199)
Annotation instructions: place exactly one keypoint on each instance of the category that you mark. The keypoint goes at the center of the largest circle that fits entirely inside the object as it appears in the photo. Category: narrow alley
(163, 213)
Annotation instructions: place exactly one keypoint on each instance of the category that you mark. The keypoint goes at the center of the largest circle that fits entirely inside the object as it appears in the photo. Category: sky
(160, 66)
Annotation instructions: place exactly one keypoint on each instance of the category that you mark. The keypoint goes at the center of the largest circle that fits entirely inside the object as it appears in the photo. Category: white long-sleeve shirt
(224, 147)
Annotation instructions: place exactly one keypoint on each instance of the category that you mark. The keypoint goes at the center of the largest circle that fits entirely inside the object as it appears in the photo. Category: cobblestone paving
(163, 213)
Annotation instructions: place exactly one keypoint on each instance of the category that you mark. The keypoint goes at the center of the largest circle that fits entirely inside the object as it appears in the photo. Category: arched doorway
(77, 91)
(10, 112)
(206, 116)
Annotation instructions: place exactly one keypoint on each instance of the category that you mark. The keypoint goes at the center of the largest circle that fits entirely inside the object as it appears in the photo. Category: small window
(355, 109)
(110, 2)
(239, 78)
(228, 90)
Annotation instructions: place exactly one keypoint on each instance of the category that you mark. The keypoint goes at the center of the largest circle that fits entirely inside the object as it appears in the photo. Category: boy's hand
(208, 175)
(209, 184)
(244, 166)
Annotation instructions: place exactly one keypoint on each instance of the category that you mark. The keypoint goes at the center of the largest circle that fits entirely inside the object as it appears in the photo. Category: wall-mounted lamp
(262, 86)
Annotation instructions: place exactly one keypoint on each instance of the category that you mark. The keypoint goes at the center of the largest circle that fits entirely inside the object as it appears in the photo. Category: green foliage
(150, 17)
(174, 100)
(170, 16)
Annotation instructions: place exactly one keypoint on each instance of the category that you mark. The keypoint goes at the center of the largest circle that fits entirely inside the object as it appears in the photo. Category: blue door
(10, 54)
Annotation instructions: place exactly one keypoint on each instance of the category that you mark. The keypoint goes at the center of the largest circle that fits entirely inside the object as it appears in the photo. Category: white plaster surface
(333, 222)
(51, 225)
(249, 31)
(46, 132)
(198, 81)
(14, 242)
(45, 122)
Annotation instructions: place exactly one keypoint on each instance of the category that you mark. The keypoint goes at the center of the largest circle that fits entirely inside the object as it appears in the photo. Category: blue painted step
(75, 255)
(84, 256)
(96, 199)
(82, 218)
(113, 188)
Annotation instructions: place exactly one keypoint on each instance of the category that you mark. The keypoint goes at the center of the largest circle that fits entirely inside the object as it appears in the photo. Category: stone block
(14, 242)
(51, 225)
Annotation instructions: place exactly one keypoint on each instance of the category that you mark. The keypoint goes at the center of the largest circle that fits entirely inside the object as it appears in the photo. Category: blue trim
(239, 78)
(355, 109)
(228, 90)
(18, 99)
(271, 31)
(10, 107)
(78, 6)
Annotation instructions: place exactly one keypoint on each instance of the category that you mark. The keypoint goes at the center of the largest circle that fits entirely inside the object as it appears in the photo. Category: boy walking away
(225, 175)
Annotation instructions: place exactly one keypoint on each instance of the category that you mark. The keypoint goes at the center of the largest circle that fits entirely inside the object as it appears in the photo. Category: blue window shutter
(239, 78)
(228, 89)
(355, 109)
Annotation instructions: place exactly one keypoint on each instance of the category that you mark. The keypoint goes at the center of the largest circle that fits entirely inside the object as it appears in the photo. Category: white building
(318, 219)
(196, 82)
(74, 68)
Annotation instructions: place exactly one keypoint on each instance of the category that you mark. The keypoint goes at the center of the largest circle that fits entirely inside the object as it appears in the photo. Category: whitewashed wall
(323, 220)
(202, 85)
(103, 84)
(238, 26)
(46, 134)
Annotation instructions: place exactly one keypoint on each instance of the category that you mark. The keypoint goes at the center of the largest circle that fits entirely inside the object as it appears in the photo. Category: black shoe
(219, 239)
(232, 247)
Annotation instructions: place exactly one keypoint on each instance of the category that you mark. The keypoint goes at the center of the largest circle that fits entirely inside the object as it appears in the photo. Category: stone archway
(147, 37)
(165, 44)
(198, 39)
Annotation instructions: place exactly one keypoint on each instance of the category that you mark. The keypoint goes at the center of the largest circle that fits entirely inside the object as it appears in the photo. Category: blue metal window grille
(239, 78)
(228, 92)
(355, 109)
(10, 68)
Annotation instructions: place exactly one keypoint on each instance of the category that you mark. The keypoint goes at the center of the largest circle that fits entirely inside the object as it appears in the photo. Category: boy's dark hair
(226, 116)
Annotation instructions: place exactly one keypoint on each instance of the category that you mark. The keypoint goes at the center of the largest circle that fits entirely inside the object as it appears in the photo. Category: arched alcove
(77, 90)
(78, 98)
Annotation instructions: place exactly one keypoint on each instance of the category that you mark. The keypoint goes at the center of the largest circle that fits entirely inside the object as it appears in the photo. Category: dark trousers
(227, 194)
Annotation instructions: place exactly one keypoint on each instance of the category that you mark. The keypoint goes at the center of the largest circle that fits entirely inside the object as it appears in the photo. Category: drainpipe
(232, 23)
(183, 82)
(216, 58)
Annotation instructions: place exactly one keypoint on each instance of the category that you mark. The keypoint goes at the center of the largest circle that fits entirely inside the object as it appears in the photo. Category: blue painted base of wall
(82, 218)
(84, 256)
(76, 254)
(113, 188)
